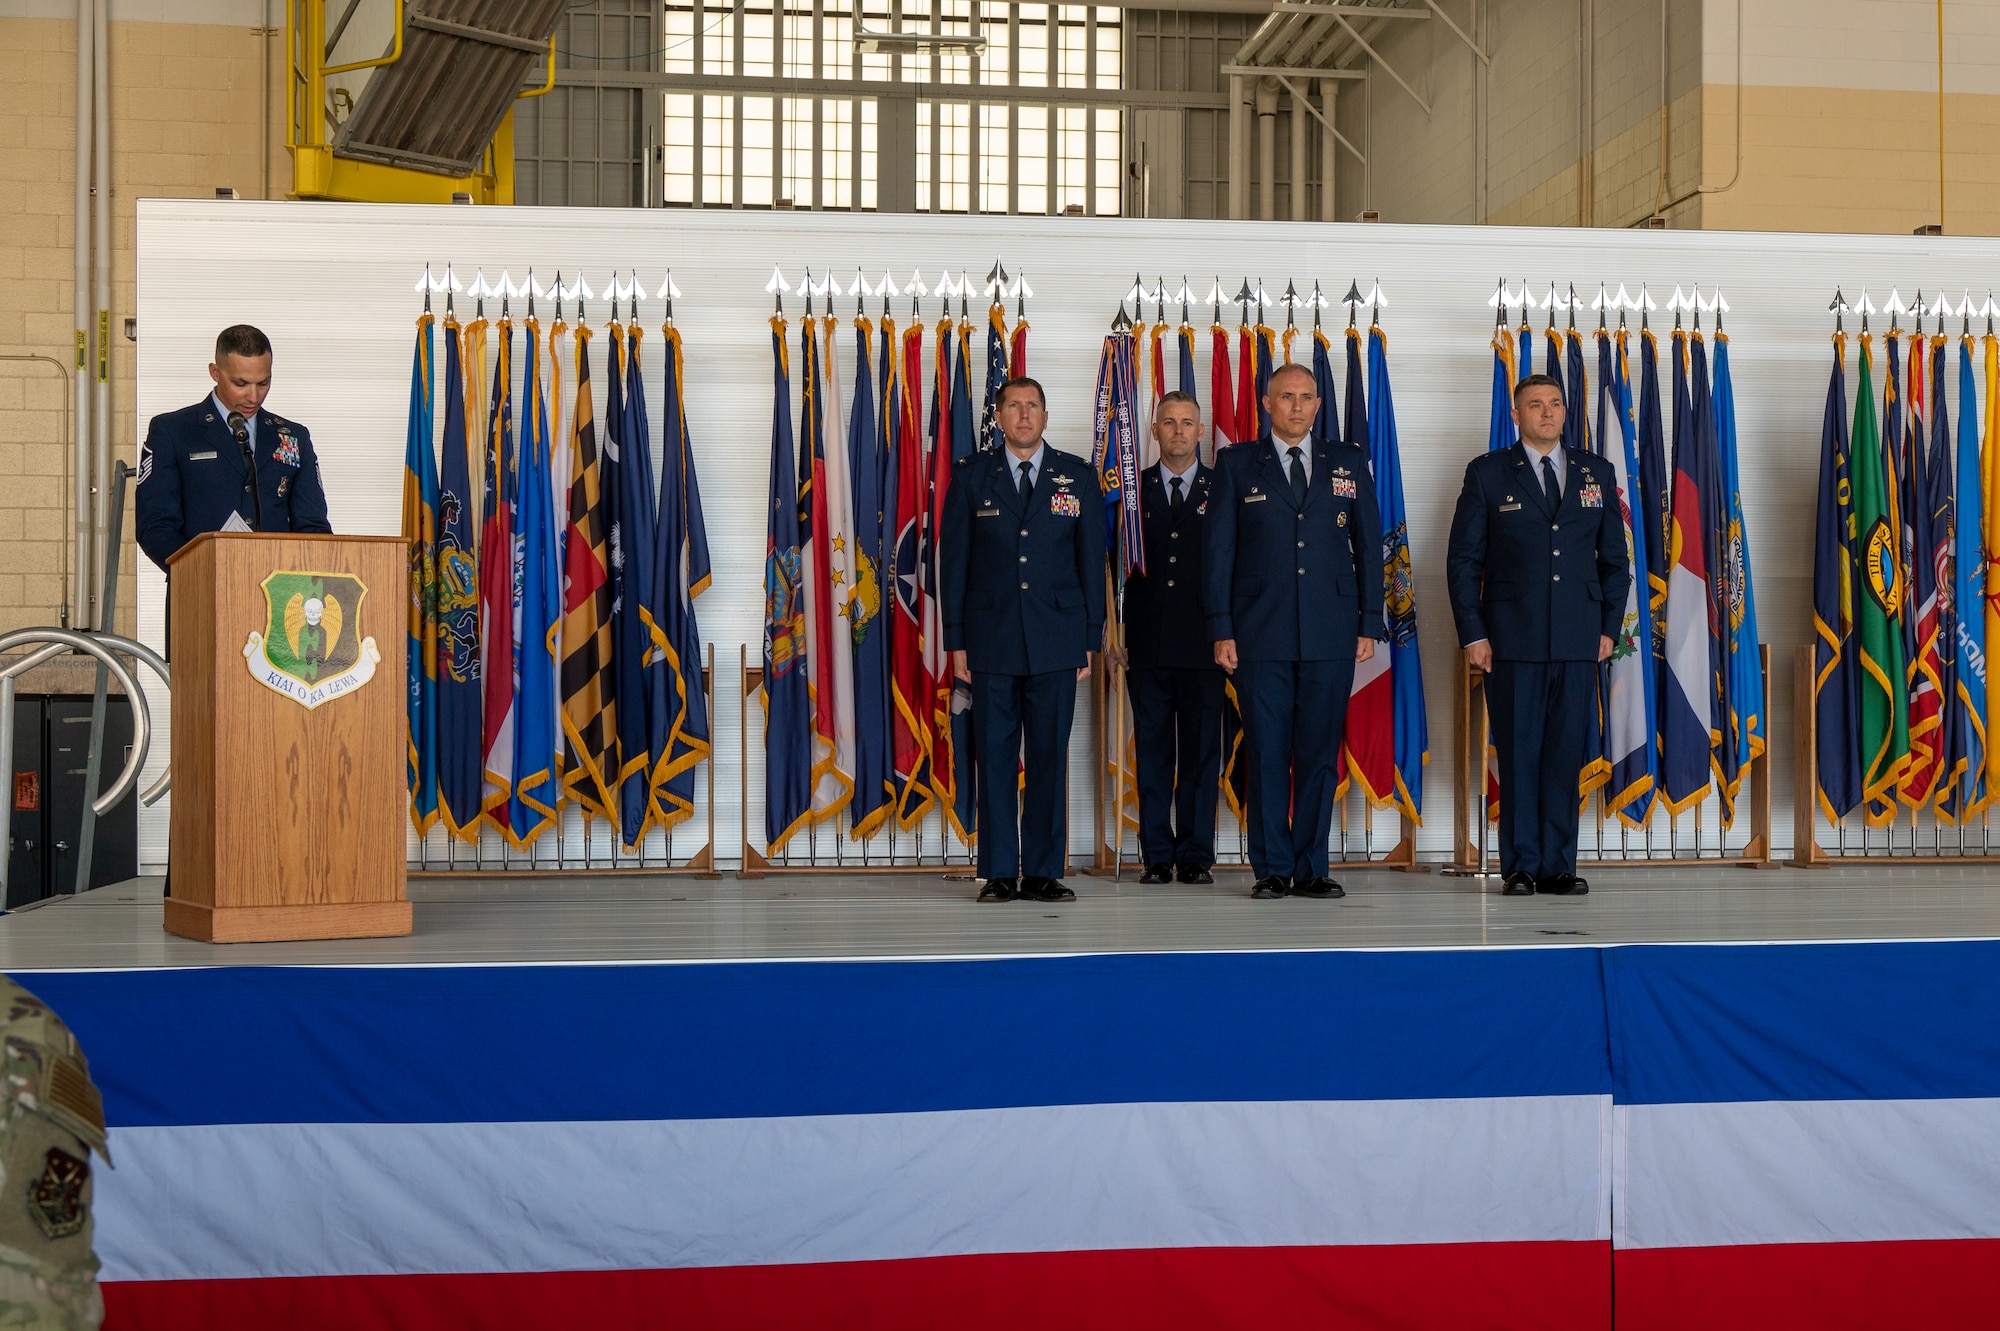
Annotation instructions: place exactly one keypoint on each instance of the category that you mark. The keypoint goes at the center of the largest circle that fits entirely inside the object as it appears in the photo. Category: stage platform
(870, 1104)
(525, 919)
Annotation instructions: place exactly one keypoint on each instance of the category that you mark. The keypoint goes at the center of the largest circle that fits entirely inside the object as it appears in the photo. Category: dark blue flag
(680, 574)
(1354, 430)
(874, 744)
(1655, 504)
(1326, 422)
(629, 497)
(965, 781)
(459, 702)
(788, 721)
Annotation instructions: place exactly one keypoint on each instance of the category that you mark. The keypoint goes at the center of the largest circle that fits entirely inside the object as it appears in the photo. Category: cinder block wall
(187, 98)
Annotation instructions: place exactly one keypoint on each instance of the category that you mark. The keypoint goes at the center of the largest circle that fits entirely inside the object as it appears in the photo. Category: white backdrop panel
(332, 285)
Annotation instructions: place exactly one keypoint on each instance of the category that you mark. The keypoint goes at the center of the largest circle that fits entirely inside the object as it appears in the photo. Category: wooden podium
(289, 738)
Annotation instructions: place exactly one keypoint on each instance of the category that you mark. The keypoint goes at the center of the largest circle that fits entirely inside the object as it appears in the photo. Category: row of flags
(864, 716)
(1387, 734)
(1906, 585)
(553, 646)
(1681, 707)
(862, 711)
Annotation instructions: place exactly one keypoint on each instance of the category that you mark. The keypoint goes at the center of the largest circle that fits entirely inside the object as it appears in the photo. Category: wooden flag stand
(1806, 850)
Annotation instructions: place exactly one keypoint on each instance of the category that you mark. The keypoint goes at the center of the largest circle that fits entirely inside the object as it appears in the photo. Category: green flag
(1885, 727)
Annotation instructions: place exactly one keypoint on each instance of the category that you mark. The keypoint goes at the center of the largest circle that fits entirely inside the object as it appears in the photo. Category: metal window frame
(932, 90)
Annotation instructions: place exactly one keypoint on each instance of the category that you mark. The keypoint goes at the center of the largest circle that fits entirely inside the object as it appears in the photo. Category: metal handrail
(105, 647)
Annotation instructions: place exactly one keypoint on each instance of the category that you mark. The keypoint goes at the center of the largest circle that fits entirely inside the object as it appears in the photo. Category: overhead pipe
(1300, 130)
(1239, 157)
(1267, 148)
(100, 423)
(1329, 151)
(80, 391)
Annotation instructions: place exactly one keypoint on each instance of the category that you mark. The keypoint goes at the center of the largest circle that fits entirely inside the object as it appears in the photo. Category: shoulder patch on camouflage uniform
(55, 1199)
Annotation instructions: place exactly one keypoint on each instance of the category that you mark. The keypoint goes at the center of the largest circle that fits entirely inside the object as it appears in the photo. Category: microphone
(240, 428)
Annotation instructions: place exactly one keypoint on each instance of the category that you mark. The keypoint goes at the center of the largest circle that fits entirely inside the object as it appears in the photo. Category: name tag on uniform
(1343, 487)
(209, 456)
(986, 513)
(1065, 505)
(1254, 498)
(1510, 508)
(1591, 496)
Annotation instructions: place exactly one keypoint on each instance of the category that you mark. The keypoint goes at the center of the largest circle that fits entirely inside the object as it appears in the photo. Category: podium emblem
(311, 648)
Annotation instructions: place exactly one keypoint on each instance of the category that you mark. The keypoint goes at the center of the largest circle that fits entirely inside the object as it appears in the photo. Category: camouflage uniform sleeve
(53, 1121)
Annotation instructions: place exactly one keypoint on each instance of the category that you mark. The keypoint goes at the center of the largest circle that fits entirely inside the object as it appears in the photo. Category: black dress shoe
(1562, 885)
(999, 889)
(1157, 873)
(1321, 888)
(1195, 873)
(1045, 889)
(1269, 889)
(1520, 883)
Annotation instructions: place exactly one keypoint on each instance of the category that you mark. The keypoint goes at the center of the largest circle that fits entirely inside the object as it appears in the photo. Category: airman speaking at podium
(225, 463)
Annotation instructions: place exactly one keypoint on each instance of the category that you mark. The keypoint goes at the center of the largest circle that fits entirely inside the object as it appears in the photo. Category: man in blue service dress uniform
(1022, 561)
(194, 473)
(1537, 574)
(1292, 587)
(1175, 685)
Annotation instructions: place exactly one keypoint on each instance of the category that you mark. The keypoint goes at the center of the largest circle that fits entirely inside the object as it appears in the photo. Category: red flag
(1159, 364)
(1222, 411)
(1018, 364)
(1246, 381)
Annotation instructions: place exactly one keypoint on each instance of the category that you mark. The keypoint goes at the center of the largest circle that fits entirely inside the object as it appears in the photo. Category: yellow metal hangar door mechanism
(311, 648)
